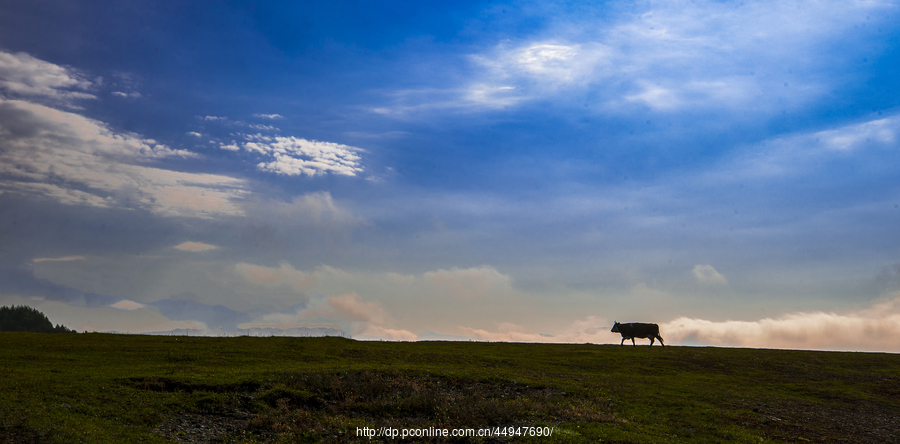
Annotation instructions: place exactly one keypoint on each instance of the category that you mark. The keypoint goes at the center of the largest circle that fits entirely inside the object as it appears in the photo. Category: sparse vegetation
(96, 388)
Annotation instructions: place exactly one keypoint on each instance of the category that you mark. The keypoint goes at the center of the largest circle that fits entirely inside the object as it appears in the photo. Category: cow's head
(615, 328)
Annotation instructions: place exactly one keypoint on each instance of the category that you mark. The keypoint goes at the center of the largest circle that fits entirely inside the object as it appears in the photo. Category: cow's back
(639, 330)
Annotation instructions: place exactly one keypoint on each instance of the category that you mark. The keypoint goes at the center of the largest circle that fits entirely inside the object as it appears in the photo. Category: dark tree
(24, 318)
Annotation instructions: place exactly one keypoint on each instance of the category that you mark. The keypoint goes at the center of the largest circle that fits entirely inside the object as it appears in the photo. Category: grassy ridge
(97, 388)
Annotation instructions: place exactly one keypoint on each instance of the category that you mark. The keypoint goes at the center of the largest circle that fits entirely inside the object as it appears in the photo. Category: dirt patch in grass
(19, 434)
(807, 422)
(330, 406)
(168, 385)
(208, 429)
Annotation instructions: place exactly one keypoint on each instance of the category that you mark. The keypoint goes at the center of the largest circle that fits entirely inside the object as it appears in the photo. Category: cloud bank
(349, 312)
(591, 329)
(873, 329)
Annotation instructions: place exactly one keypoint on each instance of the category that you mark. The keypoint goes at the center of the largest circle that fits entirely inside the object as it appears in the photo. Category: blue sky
(525, 171)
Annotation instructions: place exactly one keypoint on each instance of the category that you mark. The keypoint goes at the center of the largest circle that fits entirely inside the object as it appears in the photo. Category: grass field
(105, 388)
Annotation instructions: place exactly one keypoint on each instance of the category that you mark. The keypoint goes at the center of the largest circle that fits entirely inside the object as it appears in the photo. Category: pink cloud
(874, 329)
(284, 275)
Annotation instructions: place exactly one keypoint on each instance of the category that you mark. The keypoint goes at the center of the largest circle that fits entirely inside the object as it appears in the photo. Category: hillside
(97, 388)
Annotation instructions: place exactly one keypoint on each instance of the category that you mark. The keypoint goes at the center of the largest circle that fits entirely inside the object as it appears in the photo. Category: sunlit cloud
(706, 274)
(362, 319)
(387, 334)
(874, 133)
(194, 246)
(80, 161)
(591, 329)
(131, 95)
(294, 156)
(285, 275)
(229, 147)
(356, 296)
(670, 56)
(875, 328)
(24, 75)
(126, 304)
(803, 152)
(350, 307)
(469, 283)
(549, 64)
(58, 259)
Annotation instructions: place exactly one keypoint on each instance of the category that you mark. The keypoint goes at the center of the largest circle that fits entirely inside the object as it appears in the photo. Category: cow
(637, 330)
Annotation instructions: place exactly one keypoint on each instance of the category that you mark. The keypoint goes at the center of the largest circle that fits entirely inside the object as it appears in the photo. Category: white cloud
(657, 97)
(491, 96)
(132, 95)
(259, 138)
(804, 152)
(263, 127)
(548, 60)
(668, 56)
(194, 246)
(195, 134)
(875, 328)
(213, 118)
(707, 275)
(295, 156)
(24, 75)
(255, 147)
(128, 305)
(549, 64)
(877, 132)
(269, 116)
(230, 147)
(79, 161)
(58, 259)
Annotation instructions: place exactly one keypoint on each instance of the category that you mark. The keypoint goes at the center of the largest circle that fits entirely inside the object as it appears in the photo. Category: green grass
(99, 388)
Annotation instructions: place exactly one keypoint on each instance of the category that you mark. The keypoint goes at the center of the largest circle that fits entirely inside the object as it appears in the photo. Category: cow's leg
(660, 340)
(623, 341)
(632, 341)
(651, 341)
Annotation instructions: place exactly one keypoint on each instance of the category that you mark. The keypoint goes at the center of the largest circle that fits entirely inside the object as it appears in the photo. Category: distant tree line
(23, 318)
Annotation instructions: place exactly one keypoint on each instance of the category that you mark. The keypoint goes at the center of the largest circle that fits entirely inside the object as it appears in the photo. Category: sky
(495, 171)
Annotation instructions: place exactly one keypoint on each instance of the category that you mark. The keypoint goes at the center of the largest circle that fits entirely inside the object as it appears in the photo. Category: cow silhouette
(633, 330)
